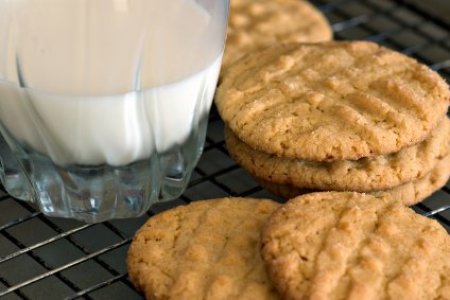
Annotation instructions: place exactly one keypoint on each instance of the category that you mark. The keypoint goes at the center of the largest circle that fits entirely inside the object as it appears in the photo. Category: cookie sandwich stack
(338, 116)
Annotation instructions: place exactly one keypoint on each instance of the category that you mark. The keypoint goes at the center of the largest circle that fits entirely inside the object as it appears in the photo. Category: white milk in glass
(88, 84)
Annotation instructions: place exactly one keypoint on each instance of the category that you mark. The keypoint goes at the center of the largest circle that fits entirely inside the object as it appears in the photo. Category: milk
(86, 82)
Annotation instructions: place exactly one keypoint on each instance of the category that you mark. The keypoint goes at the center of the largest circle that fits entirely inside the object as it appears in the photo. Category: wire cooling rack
(48, 258)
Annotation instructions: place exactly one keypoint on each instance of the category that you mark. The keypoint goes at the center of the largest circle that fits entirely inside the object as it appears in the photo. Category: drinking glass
(104, 104)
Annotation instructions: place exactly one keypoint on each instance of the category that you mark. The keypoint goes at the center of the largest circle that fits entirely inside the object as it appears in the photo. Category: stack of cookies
(338, 116)
(243, 248)
(328, 116)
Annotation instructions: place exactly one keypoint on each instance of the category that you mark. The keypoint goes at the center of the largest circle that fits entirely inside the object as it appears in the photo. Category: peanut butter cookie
(355, 246)
(408, 193)
(204, 250)
(331, 100)
(363, 175)
(256, 24)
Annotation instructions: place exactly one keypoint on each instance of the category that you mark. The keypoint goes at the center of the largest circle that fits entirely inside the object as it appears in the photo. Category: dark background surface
(438, 8)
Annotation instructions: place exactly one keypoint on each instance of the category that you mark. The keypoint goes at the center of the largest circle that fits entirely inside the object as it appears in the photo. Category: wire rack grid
(48, 258)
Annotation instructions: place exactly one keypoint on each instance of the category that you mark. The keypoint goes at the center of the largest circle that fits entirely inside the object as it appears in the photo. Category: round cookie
(363, 175)
(409, 193)
(204, 250)
(355, 246)
(256, 24)
(331, 100)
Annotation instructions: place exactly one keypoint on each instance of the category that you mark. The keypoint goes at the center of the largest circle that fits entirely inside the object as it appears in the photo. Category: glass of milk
(104, 104)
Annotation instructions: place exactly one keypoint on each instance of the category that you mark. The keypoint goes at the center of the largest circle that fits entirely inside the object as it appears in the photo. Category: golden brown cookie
(363, 175)
(256, 24)
(331, 100)
(355, 246)
(408, 193)
(204, 250)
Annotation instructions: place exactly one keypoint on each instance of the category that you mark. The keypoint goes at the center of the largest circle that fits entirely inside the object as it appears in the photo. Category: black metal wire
(347, 21)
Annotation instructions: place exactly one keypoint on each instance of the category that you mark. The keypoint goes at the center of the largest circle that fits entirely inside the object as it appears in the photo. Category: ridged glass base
(97, 193)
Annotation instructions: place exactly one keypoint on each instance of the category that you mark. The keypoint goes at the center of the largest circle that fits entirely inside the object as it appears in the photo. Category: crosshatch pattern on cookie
(255, 24)
(331, 100)
(205, 250)
(355, 246)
